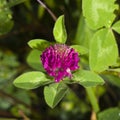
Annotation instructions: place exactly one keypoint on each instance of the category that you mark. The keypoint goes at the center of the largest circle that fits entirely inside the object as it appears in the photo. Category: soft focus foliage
(5, 17)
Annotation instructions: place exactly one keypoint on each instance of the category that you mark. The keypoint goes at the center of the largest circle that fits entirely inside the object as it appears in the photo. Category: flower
(59, 60)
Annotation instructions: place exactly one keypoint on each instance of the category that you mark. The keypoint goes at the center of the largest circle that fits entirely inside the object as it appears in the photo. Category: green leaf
(31, 80)
(54, 93)
(103, 50)
(39, 44)
(109, 114)
(116, 26)
(34, 61)
(83, 33)
(87, 78)
(80, 49)
(59, 30)
(99, 13)
(6, 22)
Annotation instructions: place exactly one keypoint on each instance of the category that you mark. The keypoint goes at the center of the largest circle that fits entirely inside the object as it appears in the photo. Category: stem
(23, 115)
(49, 11)
(93, 99)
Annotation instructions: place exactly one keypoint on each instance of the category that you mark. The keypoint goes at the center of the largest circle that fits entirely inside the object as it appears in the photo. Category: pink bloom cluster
(59, 60)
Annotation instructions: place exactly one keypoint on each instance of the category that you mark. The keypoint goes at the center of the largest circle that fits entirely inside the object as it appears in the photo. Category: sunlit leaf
(39, 44)
(80, 49)
(87, 78)
(59, 30)
(54, 93)
(103, 50)
(99, 13)
(31, 80)
(83, 33)
(116, 27)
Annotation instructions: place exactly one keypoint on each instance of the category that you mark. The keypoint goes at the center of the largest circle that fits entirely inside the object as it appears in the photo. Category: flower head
(59, 60)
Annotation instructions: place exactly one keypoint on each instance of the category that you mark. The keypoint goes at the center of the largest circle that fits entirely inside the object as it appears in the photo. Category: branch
(49, 11)
(22, 114)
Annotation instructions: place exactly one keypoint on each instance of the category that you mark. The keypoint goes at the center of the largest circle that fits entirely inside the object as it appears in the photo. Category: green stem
(93, 99)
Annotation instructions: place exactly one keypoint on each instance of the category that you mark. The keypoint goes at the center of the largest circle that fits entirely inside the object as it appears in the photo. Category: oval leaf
(110, 114)
(80, 49)
(59, 30)
(116, 27)
(31, 80)
(39, 44)
(87, 78)
(103, 50)
(34, 61)
(54, 93)
(99, 13)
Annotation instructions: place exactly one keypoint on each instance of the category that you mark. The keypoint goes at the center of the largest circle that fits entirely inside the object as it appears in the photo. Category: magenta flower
(59, 60)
